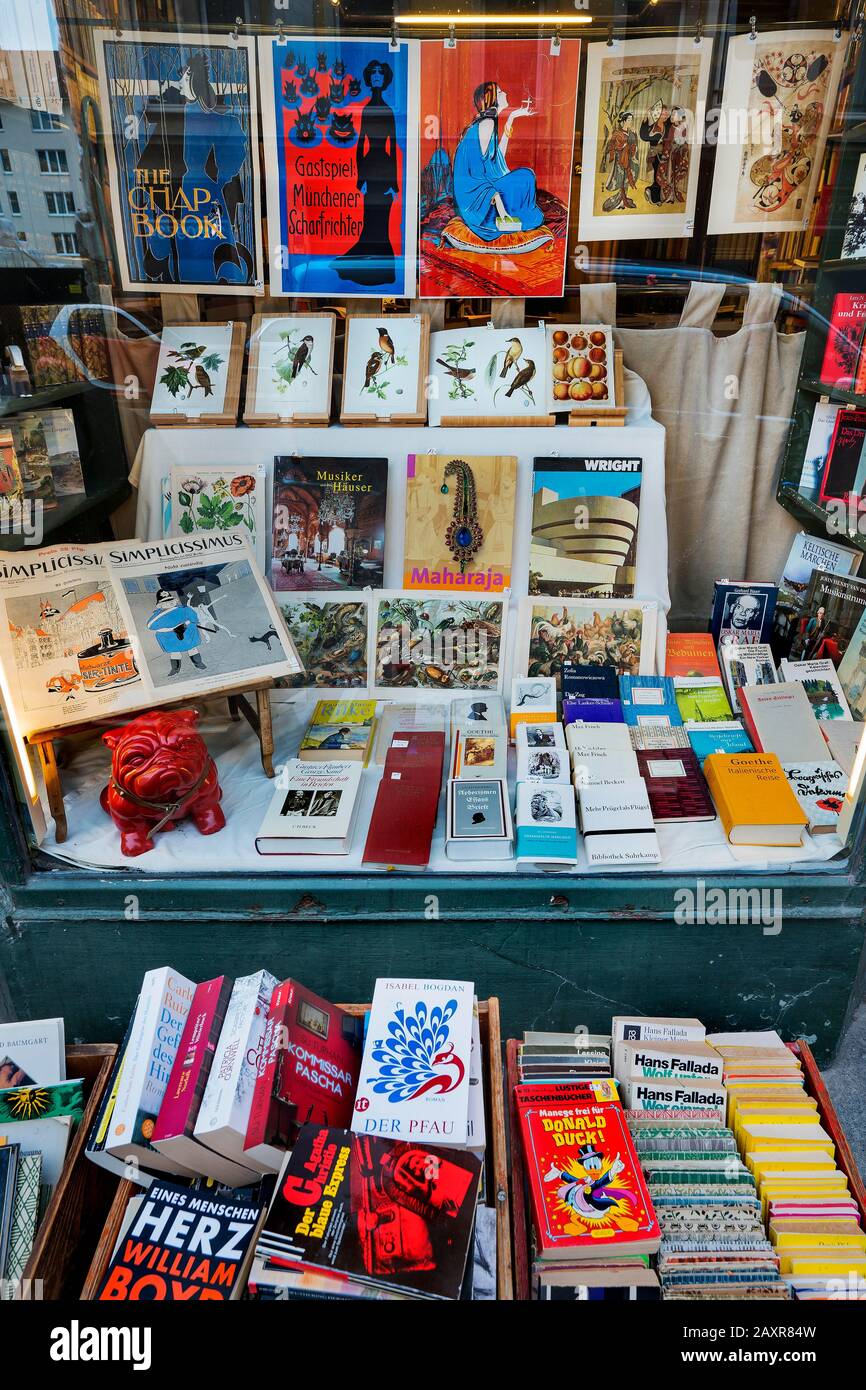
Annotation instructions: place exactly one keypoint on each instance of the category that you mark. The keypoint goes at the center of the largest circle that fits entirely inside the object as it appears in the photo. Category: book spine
(183, 1095)
(136, 1057)
(264, 1088)
(749, 720)
(714, 782)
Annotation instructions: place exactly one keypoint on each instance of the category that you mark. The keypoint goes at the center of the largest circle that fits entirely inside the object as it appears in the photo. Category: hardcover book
(742, 613)
(532, 700)
(225, 1108)
(843, 456)
(817, 448)
(542, 764)
(588, 681)
(691, 654)
(459, 522)
(376, 1212)
(754, 800)
(310, 1069)
(163, 1004)
(329, 523)
(587, 1191)
(820, 788)
(403, 819)
(617, 824)
(701, 699)
(810, 553)
(183, 1244)
(313, 809)
(479, 754)
(675, 786)
(415, 1069)
(718, 738)
(746, 664)
(339, 730)
(600, 753)
(546, 825)
(779, 719)
(479, 821)
(844, 340)
(822, 685)
(585, 514)
(833, 607)
(596, 710)
(174, 1132)
(843, 741)
(649, 700)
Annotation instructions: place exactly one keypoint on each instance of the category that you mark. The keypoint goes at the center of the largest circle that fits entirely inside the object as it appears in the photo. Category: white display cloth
(94, 842)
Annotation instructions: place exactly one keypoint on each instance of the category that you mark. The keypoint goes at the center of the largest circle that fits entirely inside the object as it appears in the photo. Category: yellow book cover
(339, 729)
(459, 522)
(795, 1137)
(817, 1240)
(760, 1165)
(823, 1264)
(754, 799)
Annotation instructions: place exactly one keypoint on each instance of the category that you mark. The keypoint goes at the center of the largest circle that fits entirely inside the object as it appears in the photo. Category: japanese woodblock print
(385, 367)
(459, 522)
(487, 373)
(290, 368)
(181, 118)
(580, 366)
(340, 121)
(329, 523)
(433, 642)
(331, 636)
(589, 631)
(497, 137)
(643, 127)
(208, 497)
(780, 91)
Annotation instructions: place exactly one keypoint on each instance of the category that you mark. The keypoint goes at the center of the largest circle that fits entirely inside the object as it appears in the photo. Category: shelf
(820, 388)
(19, 405)
(68, 510)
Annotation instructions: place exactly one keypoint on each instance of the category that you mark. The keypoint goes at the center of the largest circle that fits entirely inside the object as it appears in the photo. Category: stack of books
(478, 807)
(562, 1058)
(545, 813)
(812, 1218)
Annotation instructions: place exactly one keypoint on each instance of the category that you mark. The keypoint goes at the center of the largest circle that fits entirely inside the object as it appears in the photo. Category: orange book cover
(691, 654)
(751, 789)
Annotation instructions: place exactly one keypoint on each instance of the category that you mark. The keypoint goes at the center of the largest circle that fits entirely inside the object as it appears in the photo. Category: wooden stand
(601, 414)
(259, 720)
(492, 422)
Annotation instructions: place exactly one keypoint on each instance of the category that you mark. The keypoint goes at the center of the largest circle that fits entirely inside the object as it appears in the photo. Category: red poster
(497, 138)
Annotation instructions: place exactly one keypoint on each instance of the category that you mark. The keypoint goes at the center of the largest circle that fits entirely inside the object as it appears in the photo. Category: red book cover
(586, 1186)
(403, 820)
(844, 339)
(189, 1074)
(421, 749)
(843, 455)
(691, 654)
(311, 1068)
(675, 784)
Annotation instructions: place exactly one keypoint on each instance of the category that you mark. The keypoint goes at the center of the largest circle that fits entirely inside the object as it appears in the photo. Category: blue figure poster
(181, 127)
(340, 126)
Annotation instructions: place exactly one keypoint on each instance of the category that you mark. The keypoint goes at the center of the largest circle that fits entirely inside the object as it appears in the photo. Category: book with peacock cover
(589, 1198)
(415, 1069)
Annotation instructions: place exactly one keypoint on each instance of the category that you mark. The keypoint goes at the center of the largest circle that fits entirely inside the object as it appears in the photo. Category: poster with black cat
(340, 124)
(181, 140)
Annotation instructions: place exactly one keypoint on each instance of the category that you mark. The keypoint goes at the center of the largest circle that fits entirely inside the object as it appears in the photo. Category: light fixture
(538, 21)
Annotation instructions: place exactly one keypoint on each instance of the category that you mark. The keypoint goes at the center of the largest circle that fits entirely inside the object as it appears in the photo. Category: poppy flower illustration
(193, 485)
(241, 485)
(830, 803)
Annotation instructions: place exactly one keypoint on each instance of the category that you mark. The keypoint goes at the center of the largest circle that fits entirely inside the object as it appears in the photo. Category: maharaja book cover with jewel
(459, 522)
(586, 1186)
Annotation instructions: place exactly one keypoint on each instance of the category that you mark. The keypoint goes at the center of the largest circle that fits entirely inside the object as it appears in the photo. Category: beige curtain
(725, 404)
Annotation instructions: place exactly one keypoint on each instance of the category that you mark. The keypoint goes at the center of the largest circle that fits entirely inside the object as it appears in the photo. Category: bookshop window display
(431, 446)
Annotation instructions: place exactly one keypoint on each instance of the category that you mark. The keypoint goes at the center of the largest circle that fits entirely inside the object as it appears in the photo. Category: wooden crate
(497, 1160)
(521, 1221)
(81, 1200)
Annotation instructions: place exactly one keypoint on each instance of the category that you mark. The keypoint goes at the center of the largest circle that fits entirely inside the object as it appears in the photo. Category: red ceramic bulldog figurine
(161, 771)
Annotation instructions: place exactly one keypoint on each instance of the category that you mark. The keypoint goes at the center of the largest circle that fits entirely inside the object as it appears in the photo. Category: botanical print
(330, 635)
(487, 372)
(497, 134)
(183, 160)
(580, 366)
(589, 631)
(766, 169)
(381, 370)
(292, 355)
(192, 370)
(340, 121)
(432, 643)
(641, 141)
(854, 240)
(209, 498)
(459, 522)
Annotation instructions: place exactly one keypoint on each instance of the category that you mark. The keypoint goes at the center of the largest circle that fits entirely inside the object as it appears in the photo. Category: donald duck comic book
(587, 1190)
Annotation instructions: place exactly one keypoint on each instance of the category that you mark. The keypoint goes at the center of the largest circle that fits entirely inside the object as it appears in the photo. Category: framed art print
(340, 125)
(765, 173)
(429, 642)
(291, 366)
(580, 366)
(610, 632)
(181, 141)
(642, 134)
(198, 374)
(497, 137)
(488, 375)
(385, 368)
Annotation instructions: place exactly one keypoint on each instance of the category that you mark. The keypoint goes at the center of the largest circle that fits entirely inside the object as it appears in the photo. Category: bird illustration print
(303, 356)
(417, 1056)
(386, 344)
(189, 368)
(512, 356)
(522, 380)
(459, 373)
(372, 369)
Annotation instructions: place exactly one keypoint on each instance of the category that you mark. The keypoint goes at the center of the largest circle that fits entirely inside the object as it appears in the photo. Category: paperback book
(742, 613)
(313, 810)
(328, 523)
(459, 522)
(546, 825)
(224, 1112)
(585, 514)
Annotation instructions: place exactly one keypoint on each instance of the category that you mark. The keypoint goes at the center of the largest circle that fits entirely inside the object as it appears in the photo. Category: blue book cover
(649, 700)
(581, 681)
(597, 711)
(706, 741)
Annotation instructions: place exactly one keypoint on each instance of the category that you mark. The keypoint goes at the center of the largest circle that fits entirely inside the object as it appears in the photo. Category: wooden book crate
(497, 1161)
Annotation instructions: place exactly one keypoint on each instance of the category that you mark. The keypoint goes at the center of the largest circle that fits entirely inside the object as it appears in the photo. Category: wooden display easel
(602, 414)
(492, 422)
(259, 720)
(252, 414)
